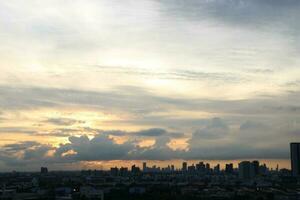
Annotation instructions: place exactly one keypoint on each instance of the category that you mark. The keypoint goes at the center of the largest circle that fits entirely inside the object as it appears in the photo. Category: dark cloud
(101, 147)
(266, 17)
(155, 132)
(236, 12)
(25, 155)
(141, 102)
(64, 121)
(37, 152)
(215, 129)
(252, 126)
(213, 141)
(237, 151)
(19, 146)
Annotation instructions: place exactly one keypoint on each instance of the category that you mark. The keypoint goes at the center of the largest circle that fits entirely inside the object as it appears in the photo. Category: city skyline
(85, 84)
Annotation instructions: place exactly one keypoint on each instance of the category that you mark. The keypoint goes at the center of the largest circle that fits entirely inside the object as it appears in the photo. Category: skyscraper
(44, 170)
(144, 166)
(184, 166)
(255, 164)
(172, 168)
(246, 170)
(217, 168)
(229, 168)
(295, 158)
(135, 169)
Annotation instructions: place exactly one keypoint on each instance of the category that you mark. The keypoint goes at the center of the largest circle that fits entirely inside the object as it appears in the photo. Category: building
(114, 171)
(44, 170)
(144, 166)
(191, 168)
(246, 170)
(295, 158)
(88, 192)
(123, 171)
(200, 167)
(229, 168)
(217, 169)
(255, 164)
(172, 168)
(207, 167)
(184, 166)
(135, 169)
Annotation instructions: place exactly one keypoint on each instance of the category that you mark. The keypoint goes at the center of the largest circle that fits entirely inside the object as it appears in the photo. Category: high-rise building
(217, 169)
(123, 171)
(191, 168)
(135, 169)
(44, 170)
(114, 171)
(295, 158)
(207, 167)
(144, 166)
(255, 164)
(229, 168)
(246, 170)
(263, 169)
(184, 166)
(200, 167)
(172, 168)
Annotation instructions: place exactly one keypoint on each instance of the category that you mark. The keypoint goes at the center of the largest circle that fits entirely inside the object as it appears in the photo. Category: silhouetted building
(207, 166)
(184, 166)
(295, 158)
(44, 170)
(263, 169)
(123, 171)
(217, 169)
(144, 166)
(255, 164)
(135, 170)
(191, 168)
(246, 170)
(229, 168)
(114, 171)
(200, 167)
(172, 168)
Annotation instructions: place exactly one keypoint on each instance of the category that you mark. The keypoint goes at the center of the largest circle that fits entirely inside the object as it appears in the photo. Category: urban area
(250, 180)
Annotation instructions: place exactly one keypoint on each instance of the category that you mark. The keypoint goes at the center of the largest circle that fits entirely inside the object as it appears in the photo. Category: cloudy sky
(87, 81)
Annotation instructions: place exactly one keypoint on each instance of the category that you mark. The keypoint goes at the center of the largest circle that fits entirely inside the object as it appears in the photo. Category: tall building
(172, 168)
(44, 170)
(246, 170)
(114, 171)
(295, 158)
(123, 171)
(229, 168)
(207, 167)
(255, 164)
(217, 169)
(144, 166)
(184, 166)
(135, 169)
(191, 168)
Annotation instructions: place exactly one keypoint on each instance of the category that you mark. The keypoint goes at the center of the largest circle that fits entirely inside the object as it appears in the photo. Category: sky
(110, 81)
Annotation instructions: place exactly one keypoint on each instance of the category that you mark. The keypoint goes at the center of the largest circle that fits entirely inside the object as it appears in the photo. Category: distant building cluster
(250, 180)
(245, 170)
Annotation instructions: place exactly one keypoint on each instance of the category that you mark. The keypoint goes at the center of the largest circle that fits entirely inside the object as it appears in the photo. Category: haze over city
(92, 84)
